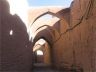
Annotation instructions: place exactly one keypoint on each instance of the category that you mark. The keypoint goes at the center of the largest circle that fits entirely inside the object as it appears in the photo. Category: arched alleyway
(59, 39)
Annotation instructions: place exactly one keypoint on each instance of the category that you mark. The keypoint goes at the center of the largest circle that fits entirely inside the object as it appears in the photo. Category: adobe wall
(16, 51)
(47, 54)
(77, 45)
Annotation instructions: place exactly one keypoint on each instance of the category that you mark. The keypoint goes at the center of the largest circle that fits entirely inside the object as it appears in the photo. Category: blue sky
(65, 3)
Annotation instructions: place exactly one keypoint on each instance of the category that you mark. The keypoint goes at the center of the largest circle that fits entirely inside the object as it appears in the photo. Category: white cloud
(19, 7)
